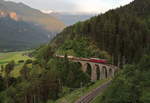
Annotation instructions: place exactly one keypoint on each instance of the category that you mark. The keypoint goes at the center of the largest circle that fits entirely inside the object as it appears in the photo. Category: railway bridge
(96, 70)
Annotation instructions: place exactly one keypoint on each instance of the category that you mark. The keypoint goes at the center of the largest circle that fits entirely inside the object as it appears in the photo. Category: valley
(104, 59)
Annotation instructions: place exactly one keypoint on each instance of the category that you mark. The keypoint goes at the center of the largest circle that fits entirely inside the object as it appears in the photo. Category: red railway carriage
(84, 59)
(96, 60)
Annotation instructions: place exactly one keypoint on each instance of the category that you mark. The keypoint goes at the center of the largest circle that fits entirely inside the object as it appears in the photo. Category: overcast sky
(88, 6)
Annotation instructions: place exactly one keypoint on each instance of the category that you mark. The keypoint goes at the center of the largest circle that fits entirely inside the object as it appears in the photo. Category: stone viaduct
(98, 71)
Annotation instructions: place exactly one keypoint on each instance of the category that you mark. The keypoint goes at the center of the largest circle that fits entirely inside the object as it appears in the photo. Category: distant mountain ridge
(29, 14)
(70, 19)
(20, 35)
(23, 27)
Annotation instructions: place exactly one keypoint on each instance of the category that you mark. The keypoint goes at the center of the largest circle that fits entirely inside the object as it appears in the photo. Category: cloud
(57, 5)
(90, 6)
(98, 6)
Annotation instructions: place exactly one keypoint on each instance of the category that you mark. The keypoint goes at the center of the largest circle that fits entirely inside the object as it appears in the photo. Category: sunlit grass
(16, 56)
(16, 72)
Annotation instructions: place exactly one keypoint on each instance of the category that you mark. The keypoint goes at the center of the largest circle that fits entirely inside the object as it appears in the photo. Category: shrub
(29, 61)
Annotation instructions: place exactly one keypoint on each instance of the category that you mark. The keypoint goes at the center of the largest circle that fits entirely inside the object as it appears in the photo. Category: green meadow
(16, 56)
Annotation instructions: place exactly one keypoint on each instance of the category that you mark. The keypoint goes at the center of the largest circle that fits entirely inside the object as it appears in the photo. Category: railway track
(91, 95)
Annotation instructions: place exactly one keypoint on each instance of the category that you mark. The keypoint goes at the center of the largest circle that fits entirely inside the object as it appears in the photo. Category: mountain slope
(29, 14)
(123, 33)
(17, 35)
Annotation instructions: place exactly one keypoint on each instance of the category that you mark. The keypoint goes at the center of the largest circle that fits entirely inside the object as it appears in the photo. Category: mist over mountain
(18, 35)
(70, 19)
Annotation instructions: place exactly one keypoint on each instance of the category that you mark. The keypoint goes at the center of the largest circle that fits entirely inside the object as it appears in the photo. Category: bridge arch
(83, 65)
(110, 72)
(89, 69)
(98, 74)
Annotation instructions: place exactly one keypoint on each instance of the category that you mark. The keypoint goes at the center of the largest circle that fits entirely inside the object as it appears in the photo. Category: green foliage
(45, 53)
(29, 61)
(25, 72)
(67, 72)
(82, 47)
(9, 67)
(2, 84)
(35, 85)
(72, 96)
(131, 85)
(40, 82)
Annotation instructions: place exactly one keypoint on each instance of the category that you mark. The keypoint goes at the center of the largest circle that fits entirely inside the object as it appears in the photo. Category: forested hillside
(131, 85)
(43, 78)
(123, 32)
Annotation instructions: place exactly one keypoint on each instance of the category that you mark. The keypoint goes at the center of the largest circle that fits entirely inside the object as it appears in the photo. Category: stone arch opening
(104, 69)
(89, 70)
(97, 72)
(110, 72)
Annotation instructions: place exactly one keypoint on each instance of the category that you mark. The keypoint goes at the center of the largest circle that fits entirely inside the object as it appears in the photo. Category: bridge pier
(84, 66)
(94, 73)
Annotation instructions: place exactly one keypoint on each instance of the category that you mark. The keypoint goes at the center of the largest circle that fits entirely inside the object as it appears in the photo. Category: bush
(35, 62)
(21, 61)
(29, 61)
(131, 85)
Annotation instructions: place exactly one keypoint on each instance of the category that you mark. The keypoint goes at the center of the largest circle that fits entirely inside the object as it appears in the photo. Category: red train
(97, 60)
(94, 60)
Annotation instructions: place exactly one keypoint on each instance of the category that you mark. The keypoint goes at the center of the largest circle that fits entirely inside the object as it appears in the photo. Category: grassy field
(6, 57)
(16, 56)
(73, 96)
